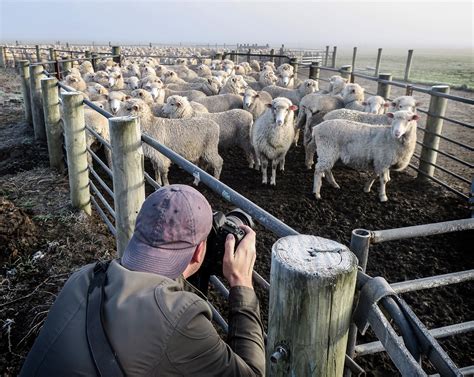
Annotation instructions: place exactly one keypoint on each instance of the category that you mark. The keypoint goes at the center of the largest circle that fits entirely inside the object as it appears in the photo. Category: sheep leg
(274, 167)
(297, 136)
(257, 160)
(318, 177)
(282, 163)
(310, 150)
(387, 175)
(383, 182)
(370, 182)
(108, 156)
(264, 163)
(331, 179)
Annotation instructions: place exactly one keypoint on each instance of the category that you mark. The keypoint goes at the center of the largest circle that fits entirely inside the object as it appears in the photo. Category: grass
(452, 67)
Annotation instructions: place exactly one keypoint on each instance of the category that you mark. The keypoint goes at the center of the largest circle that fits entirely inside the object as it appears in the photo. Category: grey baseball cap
(171, 223)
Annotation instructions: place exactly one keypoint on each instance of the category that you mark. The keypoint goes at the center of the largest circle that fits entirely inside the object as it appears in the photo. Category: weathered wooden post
(272, 58)
(24, 67)
(94, 59)
(53, 124)
(312, 284)
(354, 56)
(346, 71)
(38, 54)
(326, 58)
(87, 54)
(314, 71)
(294, 64)
(248, 55)
(233, 56)
(52, 54)
(66, 67)
(408, 66)
(218, 56)
(128, 171)
(2, 57)
(383, 89)
(433, 128)
(334, 55)
(116, 50)
(377, 63)
(36, 74)
(75, 141)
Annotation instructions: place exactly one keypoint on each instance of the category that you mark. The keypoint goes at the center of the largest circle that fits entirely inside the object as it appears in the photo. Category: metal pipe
(101, 182)
(151, 181)
(421, 230)
(102, 199)
(258, 214)
(466, 371)
(438, 333)
(103, 216)
(98, 109)
(443, 169)
(98, 137)
(433, 281)
(214, 280)
(101, 163)
(468, 147)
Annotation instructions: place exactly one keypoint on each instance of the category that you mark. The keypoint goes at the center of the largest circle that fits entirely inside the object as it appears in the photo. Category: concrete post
(248, 55)
(312, 284)
(75, 141)
(408, 65)
(314, 71)
(326, 57)
(36, 74)
(38, 54)
(434, 125)
(53, 123)
(345, 71)
(128, 172)
(377, 63)
(116, 50)
(354, 56)
(334, 55)
(383, 89)
(272, 52)
(294, 64)
(24, 67)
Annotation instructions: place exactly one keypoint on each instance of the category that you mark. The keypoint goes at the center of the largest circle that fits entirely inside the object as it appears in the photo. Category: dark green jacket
(155, 327)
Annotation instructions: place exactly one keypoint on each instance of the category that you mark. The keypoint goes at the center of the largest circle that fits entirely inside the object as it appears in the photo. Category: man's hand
(238, 266)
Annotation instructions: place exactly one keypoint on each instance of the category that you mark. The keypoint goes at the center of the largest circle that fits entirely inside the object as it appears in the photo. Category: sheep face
(375, 105)
(142, 94)
(239, 82)
(115, 101)
(174, 104)
(249, 97)
(310, 86)
(113, 78)
(154, 88)
(280, 108)
(337, 84)
(216, 64)
(203, 70)
(134, 107)
(405, 103)
(133, 83)
(214, 85)
(402, 122)
(353, 92)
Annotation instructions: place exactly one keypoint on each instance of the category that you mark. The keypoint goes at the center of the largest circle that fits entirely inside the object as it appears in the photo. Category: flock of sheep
(200, 110)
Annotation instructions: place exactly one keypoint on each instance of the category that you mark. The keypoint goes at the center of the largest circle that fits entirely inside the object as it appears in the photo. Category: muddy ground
(43, 240)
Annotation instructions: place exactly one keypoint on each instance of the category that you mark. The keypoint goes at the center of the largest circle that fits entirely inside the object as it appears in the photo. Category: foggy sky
(401, 23)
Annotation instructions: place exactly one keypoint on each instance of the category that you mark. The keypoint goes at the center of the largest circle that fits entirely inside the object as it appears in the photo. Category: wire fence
(378, 302)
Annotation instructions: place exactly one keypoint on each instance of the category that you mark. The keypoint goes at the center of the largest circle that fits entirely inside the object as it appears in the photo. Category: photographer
(139, 316)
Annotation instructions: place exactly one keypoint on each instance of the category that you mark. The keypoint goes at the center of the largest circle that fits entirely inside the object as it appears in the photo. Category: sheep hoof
(273, 183)
(366, 190)
(317, 196)
(383, 198)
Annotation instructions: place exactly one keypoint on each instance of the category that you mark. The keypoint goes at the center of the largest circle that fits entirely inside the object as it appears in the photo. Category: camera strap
(102, 353)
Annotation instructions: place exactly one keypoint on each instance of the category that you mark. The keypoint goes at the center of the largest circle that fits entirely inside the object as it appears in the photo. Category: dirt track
(68, 240)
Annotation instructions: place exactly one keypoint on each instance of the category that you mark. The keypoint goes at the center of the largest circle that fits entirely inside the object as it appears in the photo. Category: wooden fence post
(128, 172)
(312, 284)
(66, 66)
(314, 71)
(354, 56)
(434, 127)
(52, 54)
(272, 58)
(75, 140)
(346, 71)
(326, 57)
(248, 55)
(53, 124)
(408, 66)
(334, 55)
(36, 74)
(38, 54)
(94, 59)
(116, 50)
(383, 89)
(377, 63)
(2, 57)
(24, 67)
(294, 64)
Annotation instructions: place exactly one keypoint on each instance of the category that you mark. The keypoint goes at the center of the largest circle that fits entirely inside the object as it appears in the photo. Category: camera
(222, 225)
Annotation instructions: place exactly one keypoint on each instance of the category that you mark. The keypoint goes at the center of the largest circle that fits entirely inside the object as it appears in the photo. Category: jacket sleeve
(197, 349)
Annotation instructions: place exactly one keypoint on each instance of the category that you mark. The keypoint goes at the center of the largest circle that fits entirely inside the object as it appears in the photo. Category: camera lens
(239, 217)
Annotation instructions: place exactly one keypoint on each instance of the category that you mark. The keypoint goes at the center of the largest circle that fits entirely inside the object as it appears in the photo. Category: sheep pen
(410, 203)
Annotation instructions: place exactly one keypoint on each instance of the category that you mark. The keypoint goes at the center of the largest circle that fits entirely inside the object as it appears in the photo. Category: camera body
(222, 225)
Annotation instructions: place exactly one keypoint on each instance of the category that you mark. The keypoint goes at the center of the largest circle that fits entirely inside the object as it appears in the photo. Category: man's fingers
(229, 246)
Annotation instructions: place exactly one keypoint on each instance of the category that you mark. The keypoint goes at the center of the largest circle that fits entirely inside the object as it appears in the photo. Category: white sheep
(285, 75)
(235, 125)
(96, 92)
(234, 85)
(375, 105)
(195, 139)
(99, 124)
(256, 102)
(364, 147)
(132, 83)
(115, 100)
(221, 102)
(75, 82)
(116, 81)
(294, 95)
(359, 116)
(353, 97)
(272, 136)
(404, 103)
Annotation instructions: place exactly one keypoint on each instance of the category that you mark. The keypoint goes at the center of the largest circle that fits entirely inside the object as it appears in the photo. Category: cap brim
(168, 262)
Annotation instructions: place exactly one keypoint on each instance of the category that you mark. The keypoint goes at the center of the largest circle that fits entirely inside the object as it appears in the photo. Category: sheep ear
(394, 104)
(415, 117)
(293, 107)
(257, 95)
(390, 115)
(386, 104)
(135, 108)
(269, 105)
(209, 81)
(178, 104)
(364, 103)
(106, 96)
(127, 98)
